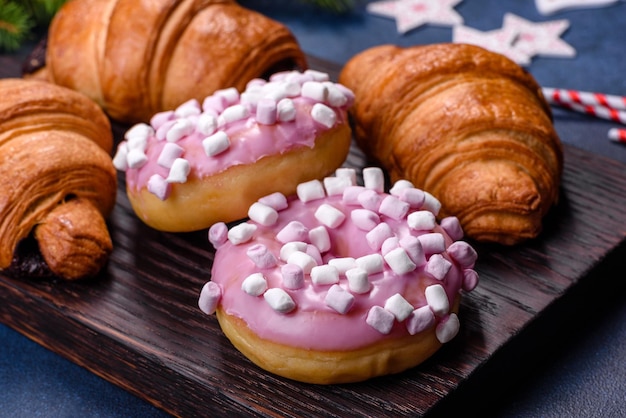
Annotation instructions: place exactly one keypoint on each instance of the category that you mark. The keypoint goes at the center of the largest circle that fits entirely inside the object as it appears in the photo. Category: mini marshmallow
(420, 320)
(399, 307)
(380, 319)
(315, 253)
(448, 329)
(293, 276)
(422, 220)
(314, 90)
(453, 227)
(138, 134)
(230, 94)
(207, 124)
(279, 300)
(431, 203)
(463, 253)
(266, 111)
(437, 299)
(310, 190)
(342, 264)
(286, 110)
(293, 231)
(351, 195)
(378, 235)
(374, 179)
(414, 250)
(414, 197)
(180, 129)
(233, 114)
(393, 207)
(261, 256)
(372, 263)
(120, 160)
(336, 185)
(262, 214)
(317, 75)
(437, 266)
(218, 234)
(291, 247)
(399, 261)
(254, 285)
(303, 260)
(319, 237)
(364, 219)
(214, 103)
(370, 199)
(241, 233)
(323, 115)
(329, 215)
(161, 132)
(169, 153)
(189, 108)
(136, 158)
(160, 118)
(158, 186)
(347, 173)
(216, 144)
(470, 280)
(276, 200)
(432, 243)
(210, 296)
(399, 186)
(179, 171)
(358, 280)
(324, 274)
(335, 96)
(339, 299)
(389, 244)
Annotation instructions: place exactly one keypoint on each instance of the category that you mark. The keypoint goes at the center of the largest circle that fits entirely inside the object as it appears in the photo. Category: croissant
(137, 58)
(465, 124)
(57, 180)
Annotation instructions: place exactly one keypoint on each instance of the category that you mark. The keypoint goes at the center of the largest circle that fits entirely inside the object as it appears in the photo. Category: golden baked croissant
(467, 125)
(57, 180)
(137, 58)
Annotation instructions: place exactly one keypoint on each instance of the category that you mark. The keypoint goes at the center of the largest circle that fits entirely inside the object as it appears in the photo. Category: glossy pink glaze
(314, 325)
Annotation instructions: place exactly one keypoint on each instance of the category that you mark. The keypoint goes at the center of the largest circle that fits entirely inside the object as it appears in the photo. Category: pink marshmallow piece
(463, 253)
(393, 207)
(218, 234)
(339, 299)
(380, 319)
(293, 231)
(432, 243)
(266, 111)
(293, 276)
(413, 248)
(470, 280)
(420, 320)
(276, 200)
(414, 197)
(437, 266)
(210, 296)
(378, 235)
(364, 219)
(453, 227)
(261, 256)
(370, 199)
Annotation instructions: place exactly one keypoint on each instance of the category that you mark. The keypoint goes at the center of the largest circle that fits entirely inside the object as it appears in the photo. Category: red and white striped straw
(617, 135)
(563, 96)
(598, 111)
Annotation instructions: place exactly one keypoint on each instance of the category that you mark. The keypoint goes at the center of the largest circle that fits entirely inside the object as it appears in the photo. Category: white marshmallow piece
(293, 231)
(347, 173)
(314, 90)
(437, 266)
(364, 219)
(393, 207)
(380, 319)
(210, 296)
(399, 261)
(414, 250)
(389, 244)
(370, 199)
(279, 300)
(335, 96)
(342, 264)
(158, 119)
(338, 299)
(120, 160)
(470, 280)
(317, 75)
(421, 220)
(399, 186)
(374, 179)
(291, 247)
(358, 280)
(463, 253)
(233, 113)
(169, 153)
(276, 200)
(189, 108)
(136, 158)
(336, 185)
(241, 233)
(329, 215)
(378, 235)
(315, 253)
(261, 256)
(448, 329)
(420, 319)
(399, 307)
(137, 136)
(180, 129)
(286, 110)
(158, 186)
(214, 104)
(293, 276)
(179, 171)
(310, 190)
(323, 115)
(432, 243)
(320, 238)
(324, 274)
(254, 285)
(414, 197)
(207, 124)
(218, 234)
(351, 195)
(431, 203)
(372, 263)
(262, 214)
(216, 144)
(453, 227)
(437, 299)
(302, 260)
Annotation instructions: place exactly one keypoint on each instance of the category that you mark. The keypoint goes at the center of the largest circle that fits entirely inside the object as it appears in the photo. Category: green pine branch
(19, 18)
(338, 6)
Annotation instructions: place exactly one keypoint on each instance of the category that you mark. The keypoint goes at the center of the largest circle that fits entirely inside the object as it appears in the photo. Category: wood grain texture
(138, 326)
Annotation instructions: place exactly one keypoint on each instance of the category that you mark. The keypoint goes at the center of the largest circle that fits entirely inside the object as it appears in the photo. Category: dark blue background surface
(584, 372)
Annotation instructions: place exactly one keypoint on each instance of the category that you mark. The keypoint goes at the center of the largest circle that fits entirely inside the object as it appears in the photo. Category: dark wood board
(138, 326)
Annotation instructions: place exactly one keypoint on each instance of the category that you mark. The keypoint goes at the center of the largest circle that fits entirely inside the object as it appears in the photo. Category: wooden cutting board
(138, 326)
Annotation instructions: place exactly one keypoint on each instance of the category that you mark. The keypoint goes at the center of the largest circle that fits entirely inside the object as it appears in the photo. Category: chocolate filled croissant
(467, 125)
(137, 58)
(57, 180)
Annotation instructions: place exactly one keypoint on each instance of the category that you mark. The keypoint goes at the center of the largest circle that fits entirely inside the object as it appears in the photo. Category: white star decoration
(499, 40)
(547, 7)
(411, 14)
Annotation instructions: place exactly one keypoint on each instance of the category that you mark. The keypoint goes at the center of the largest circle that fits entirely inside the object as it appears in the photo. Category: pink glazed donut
(342, 282)
(205, 163)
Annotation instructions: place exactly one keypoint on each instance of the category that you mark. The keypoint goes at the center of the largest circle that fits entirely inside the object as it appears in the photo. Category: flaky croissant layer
(465, 124)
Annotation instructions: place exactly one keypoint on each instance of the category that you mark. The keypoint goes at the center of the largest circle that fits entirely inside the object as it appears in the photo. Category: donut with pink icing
(340, 282)
(203, 163)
